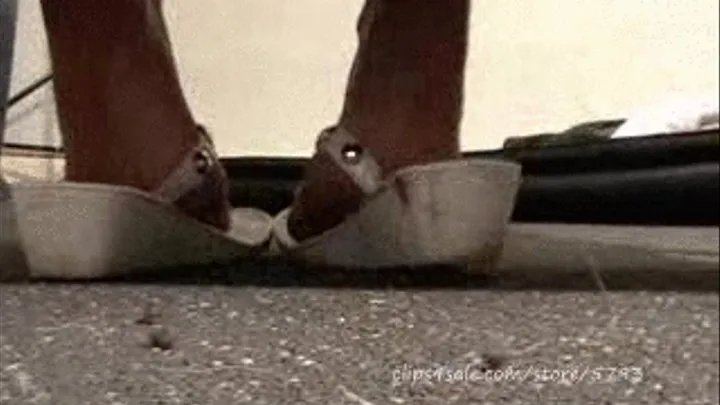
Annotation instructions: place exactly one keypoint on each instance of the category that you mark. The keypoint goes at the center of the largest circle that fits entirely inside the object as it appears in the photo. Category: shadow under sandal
(444, 213)
(70, 230)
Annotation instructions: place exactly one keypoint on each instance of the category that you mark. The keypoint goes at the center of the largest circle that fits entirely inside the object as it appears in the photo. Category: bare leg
(125, 119)
(121, 109)
(403, 101)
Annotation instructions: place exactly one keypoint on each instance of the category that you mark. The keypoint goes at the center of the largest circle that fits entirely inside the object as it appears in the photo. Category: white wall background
(266, 75)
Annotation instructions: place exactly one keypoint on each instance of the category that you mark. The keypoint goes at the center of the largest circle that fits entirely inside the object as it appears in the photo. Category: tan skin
(125, 119)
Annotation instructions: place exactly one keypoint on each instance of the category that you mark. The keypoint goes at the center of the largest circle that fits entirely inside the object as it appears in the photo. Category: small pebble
(159, 337)
(492, 361)
(307, 363)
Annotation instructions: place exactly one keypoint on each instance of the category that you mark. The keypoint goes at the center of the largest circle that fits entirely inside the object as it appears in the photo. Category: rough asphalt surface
(229, 341)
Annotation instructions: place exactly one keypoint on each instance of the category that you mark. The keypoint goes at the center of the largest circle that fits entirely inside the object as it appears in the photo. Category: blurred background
(266, 75)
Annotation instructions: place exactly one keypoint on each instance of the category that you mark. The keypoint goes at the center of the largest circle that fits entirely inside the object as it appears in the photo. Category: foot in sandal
(375, 192)
(386, 186)
(144, 186)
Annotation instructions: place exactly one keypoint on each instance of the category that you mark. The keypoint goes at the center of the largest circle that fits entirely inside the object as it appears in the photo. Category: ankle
(398, 146)
(128, 162)
(328, 194)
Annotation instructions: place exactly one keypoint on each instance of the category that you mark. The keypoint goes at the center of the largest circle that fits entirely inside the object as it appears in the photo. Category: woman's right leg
(120, 105)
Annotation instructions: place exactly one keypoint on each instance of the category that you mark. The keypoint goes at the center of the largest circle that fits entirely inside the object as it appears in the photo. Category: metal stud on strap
(351, 157)
(191, 172)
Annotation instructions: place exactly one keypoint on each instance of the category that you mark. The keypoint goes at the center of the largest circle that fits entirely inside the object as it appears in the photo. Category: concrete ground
(263, 335)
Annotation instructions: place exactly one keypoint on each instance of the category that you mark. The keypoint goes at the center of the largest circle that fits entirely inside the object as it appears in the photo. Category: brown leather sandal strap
(352, 158)
(192, 171)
